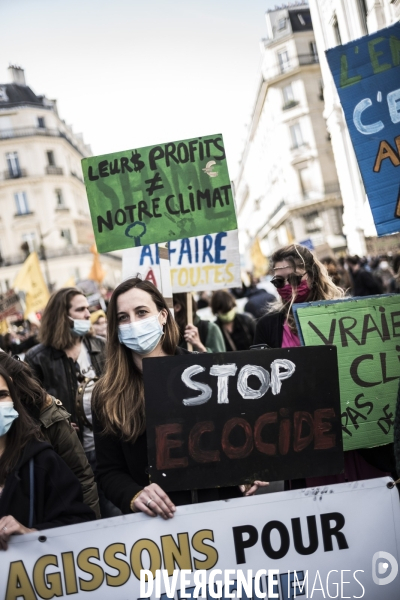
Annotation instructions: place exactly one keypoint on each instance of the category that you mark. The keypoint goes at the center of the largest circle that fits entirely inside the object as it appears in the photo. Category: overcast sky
(129, 74)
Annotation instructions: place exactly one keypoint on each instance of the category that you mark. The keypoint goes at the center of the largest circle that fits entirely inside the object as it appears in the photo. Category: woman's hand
(10, 526)
(192, 337)
(250, 490)
(154, 501)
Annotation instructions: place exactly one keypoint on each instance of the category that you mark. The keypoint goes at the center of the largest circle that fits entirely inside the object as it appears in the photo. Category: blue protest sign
(367, 76)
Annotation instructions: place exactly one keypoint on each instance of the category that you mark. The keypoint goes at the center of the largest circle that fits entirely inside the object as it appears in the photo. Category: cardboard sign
(231, 418)
(304, 541)
(159, 193)
(366, 332)
(9, 304)
(367, 75)
(209, 262)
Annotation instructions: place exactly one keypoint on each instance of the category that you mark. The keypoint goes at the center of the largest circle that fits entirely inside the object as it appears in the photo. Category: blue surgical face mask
(81, 326)
(7, 416)
(141, 336)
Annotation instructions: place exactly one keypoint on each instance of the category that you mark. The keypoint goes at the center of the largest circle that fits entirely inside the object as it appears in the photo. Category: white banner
(339, 541)
(208, 262)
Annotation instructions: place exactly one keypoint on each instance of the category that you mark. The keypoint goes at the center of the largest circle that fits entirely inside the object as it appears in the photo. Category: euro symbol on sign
(209, 169)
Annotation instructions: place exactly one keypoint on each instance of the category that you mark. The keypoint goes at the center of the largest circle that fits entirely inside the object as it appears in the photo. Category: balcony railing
(299, 60)
(290, 104)
(15, 175)
(16, 259)
(19, 132)
(53, 170)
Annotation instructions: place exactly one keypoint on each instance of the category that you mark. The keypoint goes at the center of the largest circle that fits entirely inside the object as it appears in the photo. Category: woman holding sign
(300, 277)
(139, 325)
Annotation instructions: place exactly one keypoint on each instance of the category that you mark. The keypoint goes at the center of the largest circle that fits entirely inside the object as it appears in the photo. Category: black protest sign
(216, 420)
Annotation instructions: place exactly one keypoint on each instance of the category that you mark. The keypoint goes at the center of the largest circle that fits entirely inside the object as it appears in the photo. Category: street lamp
(43, 256)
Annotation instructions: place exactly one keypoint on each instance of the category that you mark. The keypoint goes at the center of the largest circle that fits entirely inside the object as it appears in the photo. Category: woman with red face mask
(298, 277)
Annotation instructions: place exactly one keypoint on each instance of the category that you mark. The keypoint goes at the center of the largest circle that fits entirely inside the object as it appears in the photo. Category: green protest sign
(159, 193)
(366, 332)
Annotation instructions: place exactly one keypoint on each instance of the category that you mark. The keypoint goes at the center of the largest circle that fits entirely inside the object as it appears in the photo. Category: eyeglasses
(292, 279)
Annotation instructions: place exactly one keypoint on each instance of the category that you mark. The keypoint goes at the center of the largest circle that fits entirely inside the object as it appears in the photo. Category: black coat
(259, 299)
(269, 330)
(242, 334)
(365, 284)
(57, 492)
(57, 372)
(122, 470)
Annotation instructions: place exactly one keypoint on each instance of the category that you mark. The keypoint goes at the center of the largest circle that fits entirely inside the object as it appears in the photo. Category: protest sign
(9, 304)
(365, 331)
(159, 193)
(314, 543)
(200, 263)
(230, 418)
(366, 73)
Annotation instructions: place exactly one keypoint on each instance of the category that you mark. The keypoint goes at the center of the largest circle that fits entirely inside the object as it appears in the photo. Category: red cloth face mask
(302, 292)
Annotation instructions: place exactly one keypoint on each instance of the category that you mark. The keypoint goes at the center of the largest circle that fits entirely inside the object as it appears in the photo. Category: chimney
(17, 74)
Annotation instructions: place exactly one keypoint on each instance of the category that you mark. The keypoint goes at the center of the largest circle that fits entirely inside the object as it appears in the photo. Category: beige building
(339, 22)
(287, 189)
(43, 203)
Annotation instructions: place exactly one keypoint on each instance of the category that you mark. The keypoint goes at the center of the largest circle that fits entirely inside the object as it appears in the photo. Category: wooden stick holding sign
(165, 275)
(189, 315)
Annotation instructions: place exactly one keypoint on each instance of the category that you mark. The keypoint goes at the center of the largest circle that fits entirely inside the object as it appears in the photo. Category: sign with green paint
(366, 331)
(159, 193)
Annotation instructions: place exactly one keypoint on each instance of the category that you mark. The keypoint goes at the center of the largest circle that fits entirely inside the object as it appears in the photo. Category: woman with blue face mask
(37, 489)
(140, 325)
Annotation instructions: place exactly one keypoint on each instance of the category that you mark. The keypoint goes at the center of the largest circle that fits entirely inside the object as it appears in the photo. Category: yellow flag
(97, 272)
(30, 280)
(70, 282)
(260, 262)
(3, 327)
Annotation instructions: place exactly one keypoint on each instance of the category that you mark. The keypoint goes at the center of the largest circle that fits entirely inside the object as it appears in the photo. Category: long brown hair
(22, 430)
(55, 327)
(27, 387)
(118, 397)
(321, 285)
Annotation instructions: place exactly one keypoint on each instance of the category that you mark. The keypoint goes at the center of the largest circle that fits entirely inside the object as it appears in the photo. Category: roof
(18, 95)
(300, 19)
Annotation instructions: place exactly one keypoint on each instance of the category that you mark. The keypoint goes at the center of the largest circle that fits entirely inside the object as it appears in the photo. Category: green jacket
(57, 430)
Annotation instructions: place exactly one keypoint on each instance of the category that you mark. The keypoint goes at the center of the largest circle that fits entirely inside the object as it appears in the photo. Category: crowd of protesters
(72, 416)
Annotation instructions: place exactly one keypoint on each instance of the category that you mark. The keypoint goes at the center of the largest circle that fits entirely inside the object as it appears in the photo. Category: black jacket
(57, 492)
(258, 301)
(242, 334)
(57, 372)
(269, 330)
(364, 283)
(122, 470)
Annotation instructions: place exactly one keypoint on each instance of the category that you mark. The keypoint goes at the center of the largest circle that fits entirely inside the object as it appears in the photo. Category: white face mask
(7, 416)
(81, 326)
(141, 336)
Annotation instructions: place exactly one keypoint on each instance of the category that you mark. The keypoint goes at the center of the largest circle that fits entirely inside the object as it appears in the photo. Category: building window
(301, 19)
(50, 158)
(29, 241)
(14, 169)
(363, 10)
(66, 234)
(281, 24)
(40, 123)
(288, 97)
(283, 59)
(313, 222)
(336, 31)
(314, 52)
(21, 203)
(296, 135)
(60, 199)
